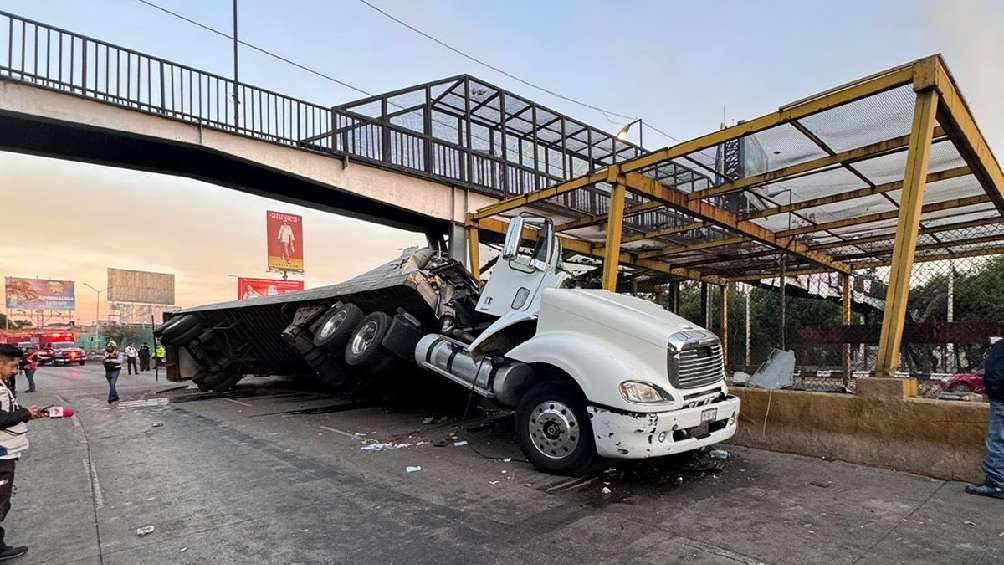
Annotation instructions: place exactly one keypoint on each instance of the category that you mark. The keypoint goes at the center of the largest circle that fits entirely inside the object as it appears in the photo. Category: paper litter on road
(412, 468)
(145, 530)
(606, 490)
(459, 443)
(383, 446)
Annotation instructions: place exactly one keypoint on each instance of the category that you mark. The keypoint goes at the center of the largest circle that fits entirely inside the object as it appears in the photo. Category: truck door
(518, 278)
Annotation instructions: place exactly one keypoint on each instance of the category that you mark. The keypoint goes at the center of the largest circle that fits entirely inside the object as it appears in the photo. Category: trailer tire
(364, 349)
(183, 338)
(228, 383)
(553, 429)
(175, 326)
(335, 327)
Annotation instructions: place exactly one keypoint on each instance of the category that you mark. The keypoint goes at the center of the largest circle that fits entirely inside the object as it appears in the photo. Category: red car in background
(964, 382)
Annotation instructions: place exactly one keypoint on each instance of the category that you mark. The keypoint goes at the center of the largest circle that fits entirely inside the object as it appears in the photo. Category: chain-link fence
(955, 307)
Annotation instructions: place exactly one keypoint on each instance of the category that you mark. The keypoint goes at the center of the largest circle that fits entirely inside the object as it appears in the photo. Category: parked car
(45, 355)
(68, 354)
(964, 382)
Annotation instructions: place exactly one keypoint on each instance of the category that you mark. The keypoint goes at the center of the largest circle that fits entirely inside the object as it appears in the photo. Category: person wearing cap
(993, 463)
(13, 441)
(113, 366)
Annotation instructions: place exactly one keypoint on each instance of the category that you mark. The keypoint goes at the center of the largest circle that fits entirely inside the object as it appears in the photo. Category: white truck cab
(589, 372)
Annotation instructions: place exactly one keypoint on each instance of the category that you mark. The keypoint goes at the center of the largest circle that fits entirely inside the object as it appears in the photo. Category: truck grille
(697, 363)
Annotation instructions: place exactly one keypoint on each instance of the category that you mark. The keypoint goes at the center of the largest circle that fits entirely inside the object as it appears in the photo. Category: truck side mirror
(512, 238)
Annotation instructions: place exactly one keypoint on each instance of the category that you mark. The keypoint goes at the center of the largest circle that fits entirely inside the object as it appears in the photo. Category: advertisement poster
(253, 288)
(284, 233)
(39, 294)
(144, 287)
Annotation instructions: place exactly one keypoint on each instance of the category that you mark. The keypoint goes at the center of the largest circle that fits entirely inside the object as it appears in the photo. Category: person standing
(13, 441)
(29, 364)
(144, 357)
(993, 463)
(287, 240)
(131, 356)
(160, 353)
(113, 366)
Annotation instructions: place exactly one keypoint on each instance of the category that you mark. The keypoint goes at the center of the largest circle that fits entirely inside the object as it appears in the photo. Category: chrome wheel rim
(333, 322)
(554, 429)
(364, 337)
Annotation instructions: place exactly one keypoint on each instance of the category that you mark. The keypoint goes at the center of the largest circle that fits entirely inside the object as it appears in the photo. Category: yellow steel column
(725, 323)
(845, 320)
(615, 221)
(911, 203)
(474, 252)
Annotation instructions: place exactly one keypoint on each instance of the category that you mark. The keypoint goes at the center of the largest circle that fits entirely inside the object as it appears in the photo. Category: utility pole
(236, 76)
(97, 312)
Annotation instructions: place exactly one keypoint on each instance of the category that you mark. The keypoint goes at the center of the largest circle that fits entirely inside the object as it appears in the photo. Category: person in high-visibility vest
(160, 354)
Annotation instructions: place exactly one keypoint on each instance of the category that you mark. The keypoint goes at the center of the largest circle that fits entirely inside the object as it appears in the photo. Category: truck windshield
(541, 246)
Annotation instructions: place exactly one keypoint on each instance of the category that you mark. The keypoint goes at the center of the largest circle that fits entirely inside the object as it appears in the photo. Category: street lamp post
(97, 311)
(623, 133)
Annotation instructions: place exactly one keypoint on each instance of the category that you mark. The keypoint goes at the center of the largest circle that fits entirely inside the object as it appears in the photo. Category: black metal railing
(49, 57)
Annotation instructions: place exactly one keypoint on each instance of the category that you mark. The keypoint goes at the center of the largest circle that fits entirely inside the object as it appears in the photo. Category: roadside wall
(937, 438)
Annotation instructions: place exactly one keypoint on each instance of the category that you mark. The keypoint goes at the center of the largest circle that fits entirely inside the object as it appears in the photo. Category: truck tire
(553, 429)
(175, 327)
(227, 384)
(337, 326)
(364, 349)
(183, 338)
(222, 380)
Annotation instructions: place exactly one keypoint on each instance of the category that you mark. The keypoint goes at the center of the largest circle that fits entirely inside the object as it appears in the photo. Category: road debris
(157, 425)
(719, 454)
(460, 443)
(384, 446)
(606, 490)
(497, 482)
(144, 531)
(969, 523)
(428, 420)
(412, 468)
(184, 549)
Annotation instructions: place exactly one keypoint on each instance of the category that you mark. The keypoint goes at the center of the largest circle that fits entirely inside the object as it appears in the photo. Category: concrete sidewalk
(277, 475)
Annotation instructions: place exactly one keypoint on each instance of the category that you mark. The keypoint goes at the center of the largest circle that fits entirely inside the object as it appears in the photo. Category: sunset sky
(679, 65)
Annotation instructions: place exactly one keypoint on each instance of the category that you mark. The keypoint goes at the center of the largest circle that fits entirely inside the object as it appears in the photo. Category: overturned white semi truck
(588, 372)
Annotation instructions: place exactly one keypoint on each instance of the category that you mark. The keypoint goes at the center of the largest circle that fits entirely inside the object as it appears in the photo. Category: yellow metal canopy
(887, 170)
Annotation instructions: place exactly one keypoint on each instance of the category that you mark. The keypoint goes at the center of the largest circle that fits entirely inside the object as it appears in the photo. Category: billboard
(39, 294)
(284, 233)
(253, 288)
(140, 286)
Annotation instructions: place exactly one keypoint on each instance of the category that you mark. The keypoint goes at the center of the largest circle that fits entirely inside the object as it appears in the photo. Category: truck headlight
(643, 393)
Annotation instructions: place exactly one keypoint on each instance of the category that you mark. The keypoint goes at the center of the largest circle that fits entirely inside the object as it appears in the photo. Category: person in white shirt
(13, 440)
(287, 239)
(132, 359)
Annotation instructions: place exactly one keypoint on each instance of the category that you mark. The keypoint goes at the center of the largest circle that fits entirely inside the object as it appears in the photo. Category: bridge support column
(458, 244)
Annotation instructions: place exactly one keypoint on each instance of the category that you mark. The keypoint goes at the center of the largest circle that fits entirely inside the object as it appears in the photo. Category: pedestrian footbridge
(419, 158)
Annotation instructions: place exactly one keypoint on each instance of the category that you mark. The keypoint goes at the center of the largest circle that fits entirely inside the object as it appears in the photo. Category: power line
(514, 77)
(256, 48)
(365, 92)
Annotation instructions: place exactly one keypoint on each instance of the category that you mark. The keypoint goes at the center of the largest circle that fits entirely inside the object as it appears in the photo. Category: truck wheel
(176, 326)
(363, 348)
(227, 384)
(182, 338)
(337, 326)
(554, 430)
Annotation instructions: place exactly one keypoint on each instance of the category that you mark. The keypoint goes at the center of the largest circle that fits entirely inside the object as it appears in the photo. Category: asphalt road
(273, 474)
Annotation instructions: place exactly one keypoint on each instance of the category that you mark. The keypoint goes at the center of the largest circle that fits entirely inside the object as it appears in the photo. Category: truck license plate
(709, 415)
